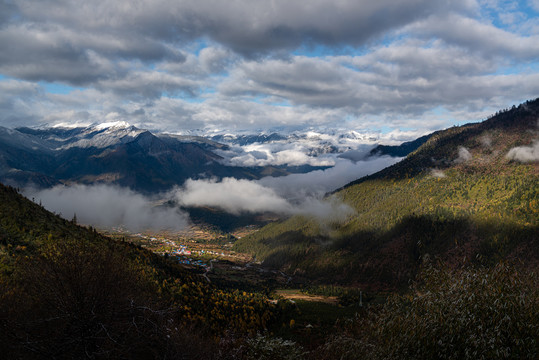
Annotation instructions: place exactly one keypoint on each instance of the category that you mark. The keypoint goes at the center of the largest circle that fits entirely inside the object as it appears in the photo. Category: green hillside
(68, 292)
(458, 198)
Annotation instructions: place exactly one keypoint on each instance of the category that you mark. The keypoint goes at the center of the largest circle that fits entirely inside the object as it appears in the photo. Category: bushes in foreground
(465, 314)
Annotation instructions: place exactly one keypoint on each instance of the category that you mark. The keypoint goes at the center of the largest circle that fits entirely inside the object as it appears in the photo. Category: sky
(223, 66)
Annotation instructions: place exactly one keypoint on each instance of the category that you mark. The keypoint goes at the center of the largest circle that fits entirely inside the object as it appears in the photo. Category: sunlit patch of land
(295, 294)
(197, 241)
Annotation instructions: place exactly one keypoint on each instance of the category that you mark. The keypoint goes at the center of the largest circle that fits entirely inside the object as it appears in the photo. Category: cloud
(193, 64)
(149, 85)
(464, 155)
(437, 173)
(313, 148)
(248, 27)
(486, 141)
(232, 195)
(287, 195)
(284, 157)
(41, 53)
(525, 154)
(108, 206)
(278, 153)
(400, 79)
(318, 183)
(244, 196)
(477, 36)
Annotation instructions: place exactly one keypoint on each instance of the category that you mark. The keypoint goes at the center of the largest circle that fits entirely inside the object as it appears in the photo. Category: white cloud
(437, 173)
(319, 182)
(463, 155)
(486, 141)
(534, 4)
(292, 153)
(244, 196)
(286, 195)
(232, 195)
(108, 206)
(525, 154)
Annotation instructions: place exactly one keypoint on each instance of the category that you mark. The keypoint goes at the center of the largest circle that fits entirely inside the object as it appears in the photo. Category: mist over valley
(254, 180)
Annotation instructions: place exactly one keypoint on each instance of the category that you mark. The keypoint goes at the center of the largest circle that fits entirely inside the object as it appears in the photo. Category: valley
(269, 180)
(448, 231)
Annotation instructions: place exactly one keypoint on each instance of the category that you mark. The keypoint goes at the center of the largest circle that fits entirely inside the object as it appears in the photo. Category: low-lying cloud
(285, 195)
(525, 154)
(319, 182)
(437, 173)
(278, 153)
(108, 206)
(310, 148)
(244, 196)
(290, 157)
(232, 195)
(486, 141)
(464, 155)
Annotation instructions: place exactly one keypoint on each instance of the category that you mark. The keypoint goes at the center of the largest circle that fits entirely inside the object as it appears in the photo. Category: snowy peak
(113, 125)
(104, 135)
(97, 135)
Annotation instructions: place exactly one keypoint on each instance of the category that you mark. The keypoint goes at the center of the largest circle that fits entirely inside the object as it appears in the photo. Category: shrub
(264, 347)
(460, 314)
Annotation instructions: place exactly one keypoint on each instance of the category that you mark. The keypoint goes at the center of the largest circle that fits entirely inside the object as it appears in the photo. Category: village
(195, 246)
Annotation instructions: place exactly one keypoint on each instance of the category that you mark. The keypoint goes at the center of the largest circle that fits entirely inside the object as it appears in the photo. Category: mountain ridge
(457, 197)
(526, 127)
(118, 154)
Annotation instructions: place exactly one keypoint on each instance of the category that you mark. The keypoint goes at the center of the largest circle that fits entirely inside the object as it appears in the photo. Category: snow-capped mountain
(115, 153)
(98, 136)
(315, 148)
(122, 154)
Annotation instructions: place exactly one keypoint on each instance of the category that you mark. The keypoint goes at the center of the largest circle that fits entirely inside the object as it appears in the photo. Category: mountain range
(116, 153)
(458, 217)
(124, 155)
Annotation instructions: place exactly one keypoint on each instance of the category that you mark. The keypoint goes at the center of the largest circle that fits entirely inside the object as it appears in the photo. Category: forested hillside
(468, 196)
(68, 292)
(465, 197)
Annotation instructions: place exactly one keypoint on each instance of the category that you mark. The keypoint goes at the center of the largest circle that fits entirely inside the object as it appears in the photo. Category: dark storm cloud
(16, 113)
(149, 84)
(8, 11)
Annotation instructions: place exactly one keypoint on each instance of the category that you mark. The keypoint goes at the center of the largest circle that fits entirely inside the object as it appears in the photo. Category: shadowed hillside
(68, 292)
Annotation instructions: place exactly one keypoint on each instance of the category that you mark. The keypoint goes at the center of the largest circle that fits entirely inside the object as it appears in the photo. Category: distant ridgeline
(121, 155)
(468, 195)
(68, 292)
